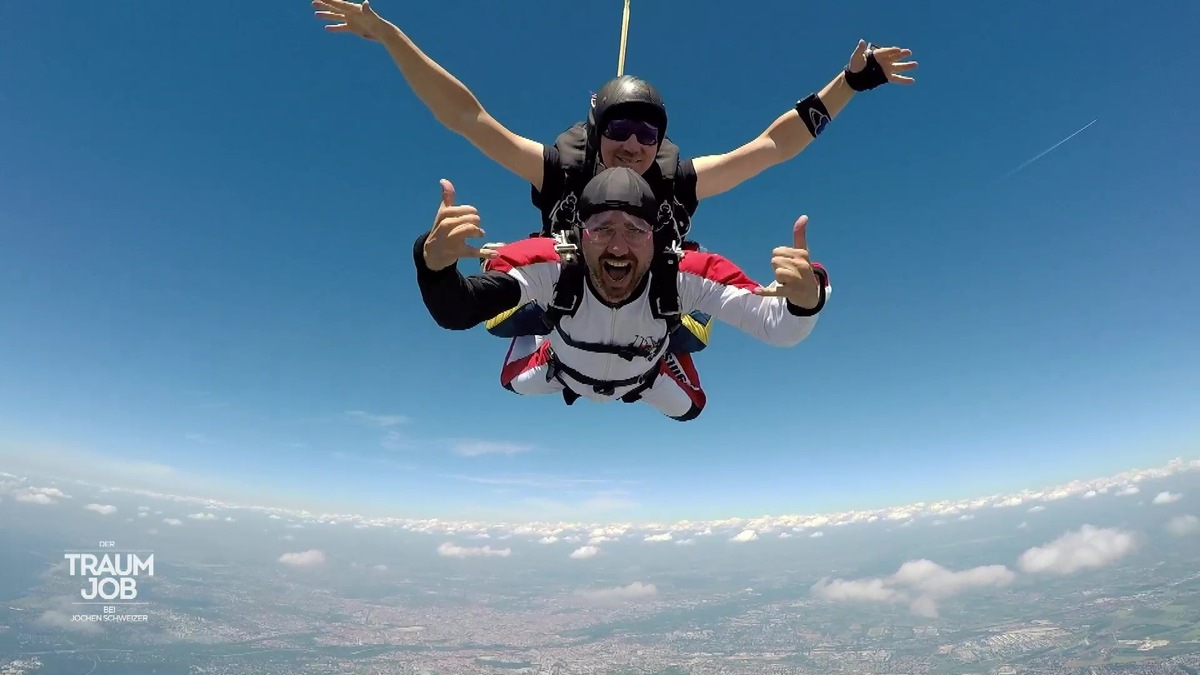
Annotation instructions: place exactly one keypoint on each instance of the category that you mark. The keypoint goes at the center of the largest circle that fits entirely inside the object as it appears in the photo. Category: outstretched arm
(712, 284)
(792, 131)
(448, 99)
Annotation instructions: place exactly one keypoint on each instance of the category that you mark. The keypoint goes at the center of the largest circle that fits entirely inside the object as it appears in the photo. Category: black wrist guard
(814, 113)
(870, 77)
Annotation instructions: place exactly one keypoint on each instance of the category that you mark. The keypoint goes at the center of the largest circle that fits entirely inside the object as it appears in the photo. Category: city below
(243, 624)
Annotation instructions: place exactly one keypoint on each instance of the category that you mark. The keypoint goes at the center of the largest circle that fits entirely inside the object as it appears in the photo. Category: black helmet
(619, 189)
(616, 189)
(626, 96)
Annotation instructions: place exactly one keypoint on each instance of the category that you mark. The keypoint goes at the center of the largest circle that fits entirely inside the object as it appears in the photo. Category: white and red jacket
(526, 271)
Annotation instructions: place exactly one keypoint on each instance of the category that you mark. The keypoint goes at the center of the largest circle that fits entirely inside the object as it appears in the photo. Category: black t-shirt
(561, 187)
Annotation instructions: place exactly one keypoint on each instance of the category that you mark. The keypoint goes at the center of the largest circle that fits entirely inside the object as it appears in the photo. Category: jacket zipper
(612, 338)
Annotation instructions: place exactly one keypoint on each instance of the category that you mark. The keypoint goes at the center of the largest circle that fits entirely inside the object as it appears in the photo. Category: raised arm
(448, 99)
(458, 303)
(792, 131)
(782, 314)
(712, 284)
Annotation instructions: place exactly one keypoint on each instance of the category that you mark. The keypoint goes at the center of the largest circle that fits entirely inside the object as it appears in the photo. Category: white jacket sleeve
(537, 281)
(714, 285)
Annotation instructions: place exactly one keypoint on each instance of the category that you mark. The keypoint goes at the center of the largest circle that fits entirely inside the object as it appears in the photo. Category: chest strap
(569, 288)
(602, 387)
(627, 352)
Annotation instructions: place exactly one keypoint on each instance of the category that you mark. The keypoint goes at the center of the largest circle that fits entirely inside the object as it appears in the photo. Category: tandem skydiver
(626, 126)
(612, 306)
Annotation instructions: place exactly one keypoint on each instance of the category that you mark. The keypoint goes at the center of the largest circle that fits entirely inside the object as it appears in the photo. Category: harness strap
(568, 289)
(634, 395)
(567, 298)
(627, 352)
(569, 396)
(664, 287)
(602, 387)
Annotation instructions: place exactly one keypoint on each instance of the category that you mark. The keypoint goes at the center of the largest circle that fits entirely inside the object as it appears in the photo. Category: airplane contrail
(1049, 150)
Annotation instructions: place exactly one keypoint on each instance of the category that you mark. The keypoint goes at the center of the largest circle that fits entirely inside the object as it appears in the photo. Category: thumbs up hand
(452, 227)
(794, 275)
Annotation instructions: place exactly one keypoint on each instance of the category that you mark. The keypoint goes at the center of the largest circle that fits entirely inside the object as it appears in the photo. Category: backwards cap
(626, 96)
(619, 189)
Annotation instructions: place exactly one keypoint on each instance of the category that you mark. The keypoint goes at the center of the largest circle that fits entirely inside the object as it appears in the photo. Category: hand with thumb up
(452, 227)
(794, 275)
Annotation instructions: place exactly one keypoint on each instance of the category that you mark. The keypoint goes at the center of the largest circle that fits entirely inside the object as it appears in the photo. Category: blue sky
(206, 219)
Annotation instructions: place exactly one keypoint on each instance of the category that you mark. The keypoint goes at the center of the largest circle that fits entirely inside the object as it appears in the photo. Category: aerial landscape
(606, 337)
(1098, 576)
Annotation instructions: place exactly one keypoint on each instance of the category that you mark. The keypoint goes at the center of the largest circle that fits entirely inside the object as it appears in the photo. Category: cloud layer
(1087, 548)
(922, 584)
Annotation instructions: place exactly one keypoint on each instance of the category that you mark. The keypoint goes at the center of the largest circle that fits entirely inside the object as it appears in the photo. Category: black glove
(870, 77)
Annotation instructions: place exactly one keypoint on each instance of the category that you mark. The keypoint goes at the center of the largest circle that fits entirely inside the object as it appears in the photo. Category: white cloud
(934, 580)
(621, 594)
(785, 535)
(684, 542)
(921, 583)
(745, 535)
(1088, 547)
(452, 551)
(173, 521)
(392, 439)
(1181, 525)
(303, 559)
(384, 421)
(202, 516)
(36, 495)
(1166, 498)
(665, 536)
(1036, 509)
(547, 540)
(102, 509)
(478, 448)
(574, 522)
(876, 590)
(1128, 491)
(1089, 494)
(584, 552)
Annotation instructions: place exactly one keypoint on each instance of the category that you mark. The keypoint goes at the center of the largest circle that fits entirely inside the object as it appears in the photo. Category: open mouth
(616, 271)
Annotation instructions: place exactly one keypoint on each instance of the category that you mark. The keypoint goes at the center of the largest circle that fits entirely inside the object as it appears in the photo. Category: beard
(615, 276)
